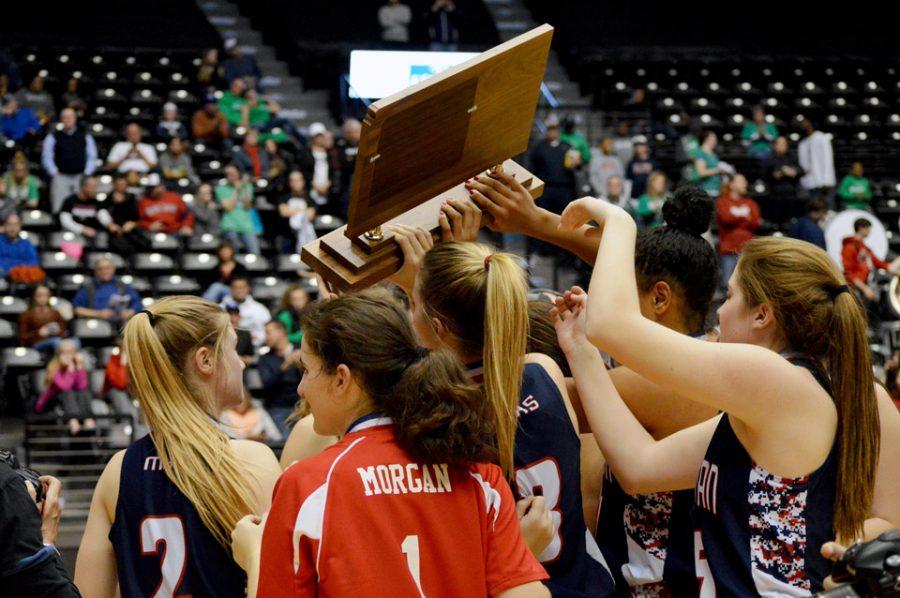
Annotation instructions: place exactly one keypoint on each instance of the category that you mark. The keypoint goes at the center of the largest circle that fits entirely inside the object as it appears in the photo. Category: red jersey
(168, 209)
(859, 261)
(363, 519)
(738, 220)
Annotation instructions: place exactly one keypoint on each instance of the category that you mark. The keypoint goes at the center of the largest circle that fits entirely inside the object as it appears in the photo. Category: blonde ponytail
(481, 297)
(195, 454)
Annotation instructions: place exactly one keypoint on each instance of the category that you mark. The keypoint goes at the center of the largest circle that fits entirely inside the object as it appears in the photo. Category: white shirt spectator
(602, 167)
(124, 153)
(817, 161)
(254, 316)
(394, 20)
(321, 175)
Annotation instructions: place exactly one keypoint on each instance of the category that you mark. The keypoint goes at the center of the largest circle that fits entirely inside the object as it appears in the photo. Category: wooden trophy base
(352, 264)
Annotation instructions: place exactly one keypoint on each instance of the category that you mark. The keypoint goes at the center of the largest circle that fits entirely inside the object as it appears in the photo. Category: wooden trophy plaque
(419, 146)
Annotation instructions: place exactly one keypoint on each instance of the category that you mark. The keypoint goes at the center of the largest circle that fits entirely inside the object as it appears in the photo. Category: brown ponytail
(481, 297)
(439, 415)
(819, 317)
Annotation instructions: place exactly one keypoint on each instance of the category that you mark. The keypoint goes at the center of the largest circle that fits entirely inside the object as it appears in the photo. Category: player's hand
(509, 205)
(570, 320)
(833, 552)
(51, 509)
(587, 209)
(246, 541)
(415, 243)
(459, 220)
(536, 523)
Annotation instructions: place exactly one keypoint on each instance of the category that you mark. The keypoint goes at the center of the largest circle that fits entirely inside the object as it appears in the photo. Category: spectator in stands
(394, 18)
(640, 167)
(21, 189)
(105, 296)
(68, 153)
(347, 148)
(209, 73)
(279, 164)
(623, 145)
(175, 164)
(206, 211)
(31, 564)
(292, 304)
(442, 21)
(280, 370)
(859, 261)
(758, 135)
(244, 345)
(548, 162)
(19, 124)
(41, 326)
(80, 212)
(809, 227)
(35, 98)
(295, 208)
(615, 191)
(707, 170)
(246, 421)
(250, 157)
(120, 216)
(254, 314)
(218, 282)
(115, 383)
(66, 381)
(317, 165)
(240, 65)
(738, 218)
(604, 164)
(782, 174)
(235, 196)
(817, 161)
(650, 203)
(209, 125)
(855, 190)
(72, 99)
(169, 126)
(15, 252)
(132, 155)
(164, 211)
(232, 101)
(576, 140)
(262, 114)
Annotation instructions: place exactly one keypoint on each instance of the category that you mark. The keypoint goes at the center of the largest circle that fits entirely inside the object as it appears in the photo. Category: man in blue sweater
(105, 296)
(807, 228)
(14, 250)
(18, 123)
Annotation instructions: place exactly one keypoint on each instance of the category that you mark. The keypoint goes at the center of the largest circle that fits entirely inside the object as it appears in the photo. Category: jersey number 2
(167, 530)
(544, 474)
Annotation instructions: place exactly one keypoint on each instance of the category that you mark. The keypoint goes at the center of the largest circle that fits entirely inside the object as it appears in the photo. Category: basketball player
(163, 509)
(791, 369)
(404, 504)
(468, 298)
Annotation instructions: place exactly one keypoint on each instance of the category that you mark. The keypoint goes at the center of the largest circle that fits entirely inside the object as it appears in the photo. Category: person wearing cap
(318, 165)
(132, 155)
(548, 162)
(641, 166)
(18, 123)
(164, 211)
(68, 153)
(240, 65)
(244, 345)
(208, 124)
(169, 126)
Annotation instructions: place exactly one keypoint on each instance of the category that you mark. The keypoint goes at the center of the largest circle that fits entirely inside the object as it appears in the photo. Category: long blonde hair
(195, 454)
(818, 317)
(481, 297)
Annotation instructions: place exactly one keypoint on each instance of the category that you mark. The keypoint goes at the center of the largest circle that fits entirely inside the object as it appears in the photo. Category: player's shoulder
(256, 453)
(332, 460)
(539, 366)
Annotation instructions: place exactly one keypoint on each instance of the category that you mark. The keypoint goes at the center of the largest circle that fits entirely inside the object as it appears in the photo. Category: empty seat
(153, 262)
(164, 242)
(290, 263)
(7, 333)
(138, 283)
(205, 242)
(36, 219)
(253, 263)
(176, 285)
(55, 240)
(93, 331)
(252, 380)
(198, 262)
(22, 357)
(269, 288)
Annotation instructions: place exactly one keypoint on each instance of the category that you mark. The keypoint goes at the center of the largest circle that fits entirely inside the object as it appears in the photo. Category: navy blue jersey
(162, 547)
(647, 540)
(547, 459)
(759, 533)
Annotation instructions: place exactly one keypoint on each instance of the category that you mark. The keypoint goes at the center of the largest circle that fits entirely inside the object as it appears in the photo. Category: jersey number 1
(410, 547)
(168, 530)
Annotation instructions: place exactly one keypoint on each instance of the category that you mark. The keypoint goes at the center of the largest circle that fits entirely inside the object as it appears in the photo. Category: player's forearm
(546, 228)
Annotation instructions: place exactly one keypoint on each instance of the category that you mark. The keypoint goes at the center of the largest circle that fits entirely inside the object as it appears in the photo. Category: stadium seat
(37, 220)
(198, 262)
(175, 284)
(11, 307)
(148, 263)
(203, 243)
(252, 380)
(290, 263)
(58, 262)
(93, 331)
(269, 288)
(22, 357)
(8, 334)
(117, 260)
(253, 263)
(138, 283)
(164, 243)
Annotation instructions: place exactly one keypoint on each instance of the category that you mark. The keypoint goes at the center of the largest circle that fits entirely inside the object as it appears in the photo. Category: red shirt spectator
(737, 216)
(859, 260)
(164, 211)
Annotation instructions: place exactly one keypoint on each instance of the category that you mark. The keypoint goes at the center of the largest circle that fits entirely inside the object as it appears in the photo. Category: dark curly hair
(439, 415)
(677, 254)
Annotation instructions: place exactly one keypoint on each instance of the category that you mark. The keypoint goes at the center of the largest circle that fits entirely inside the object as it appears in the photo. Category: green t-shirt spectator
(649, 209)
(28, 191)
(295, 335)
(578, 142)
(230, 105)
(239, 219)
(856, 192)
(760, 144)
(711, 184)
